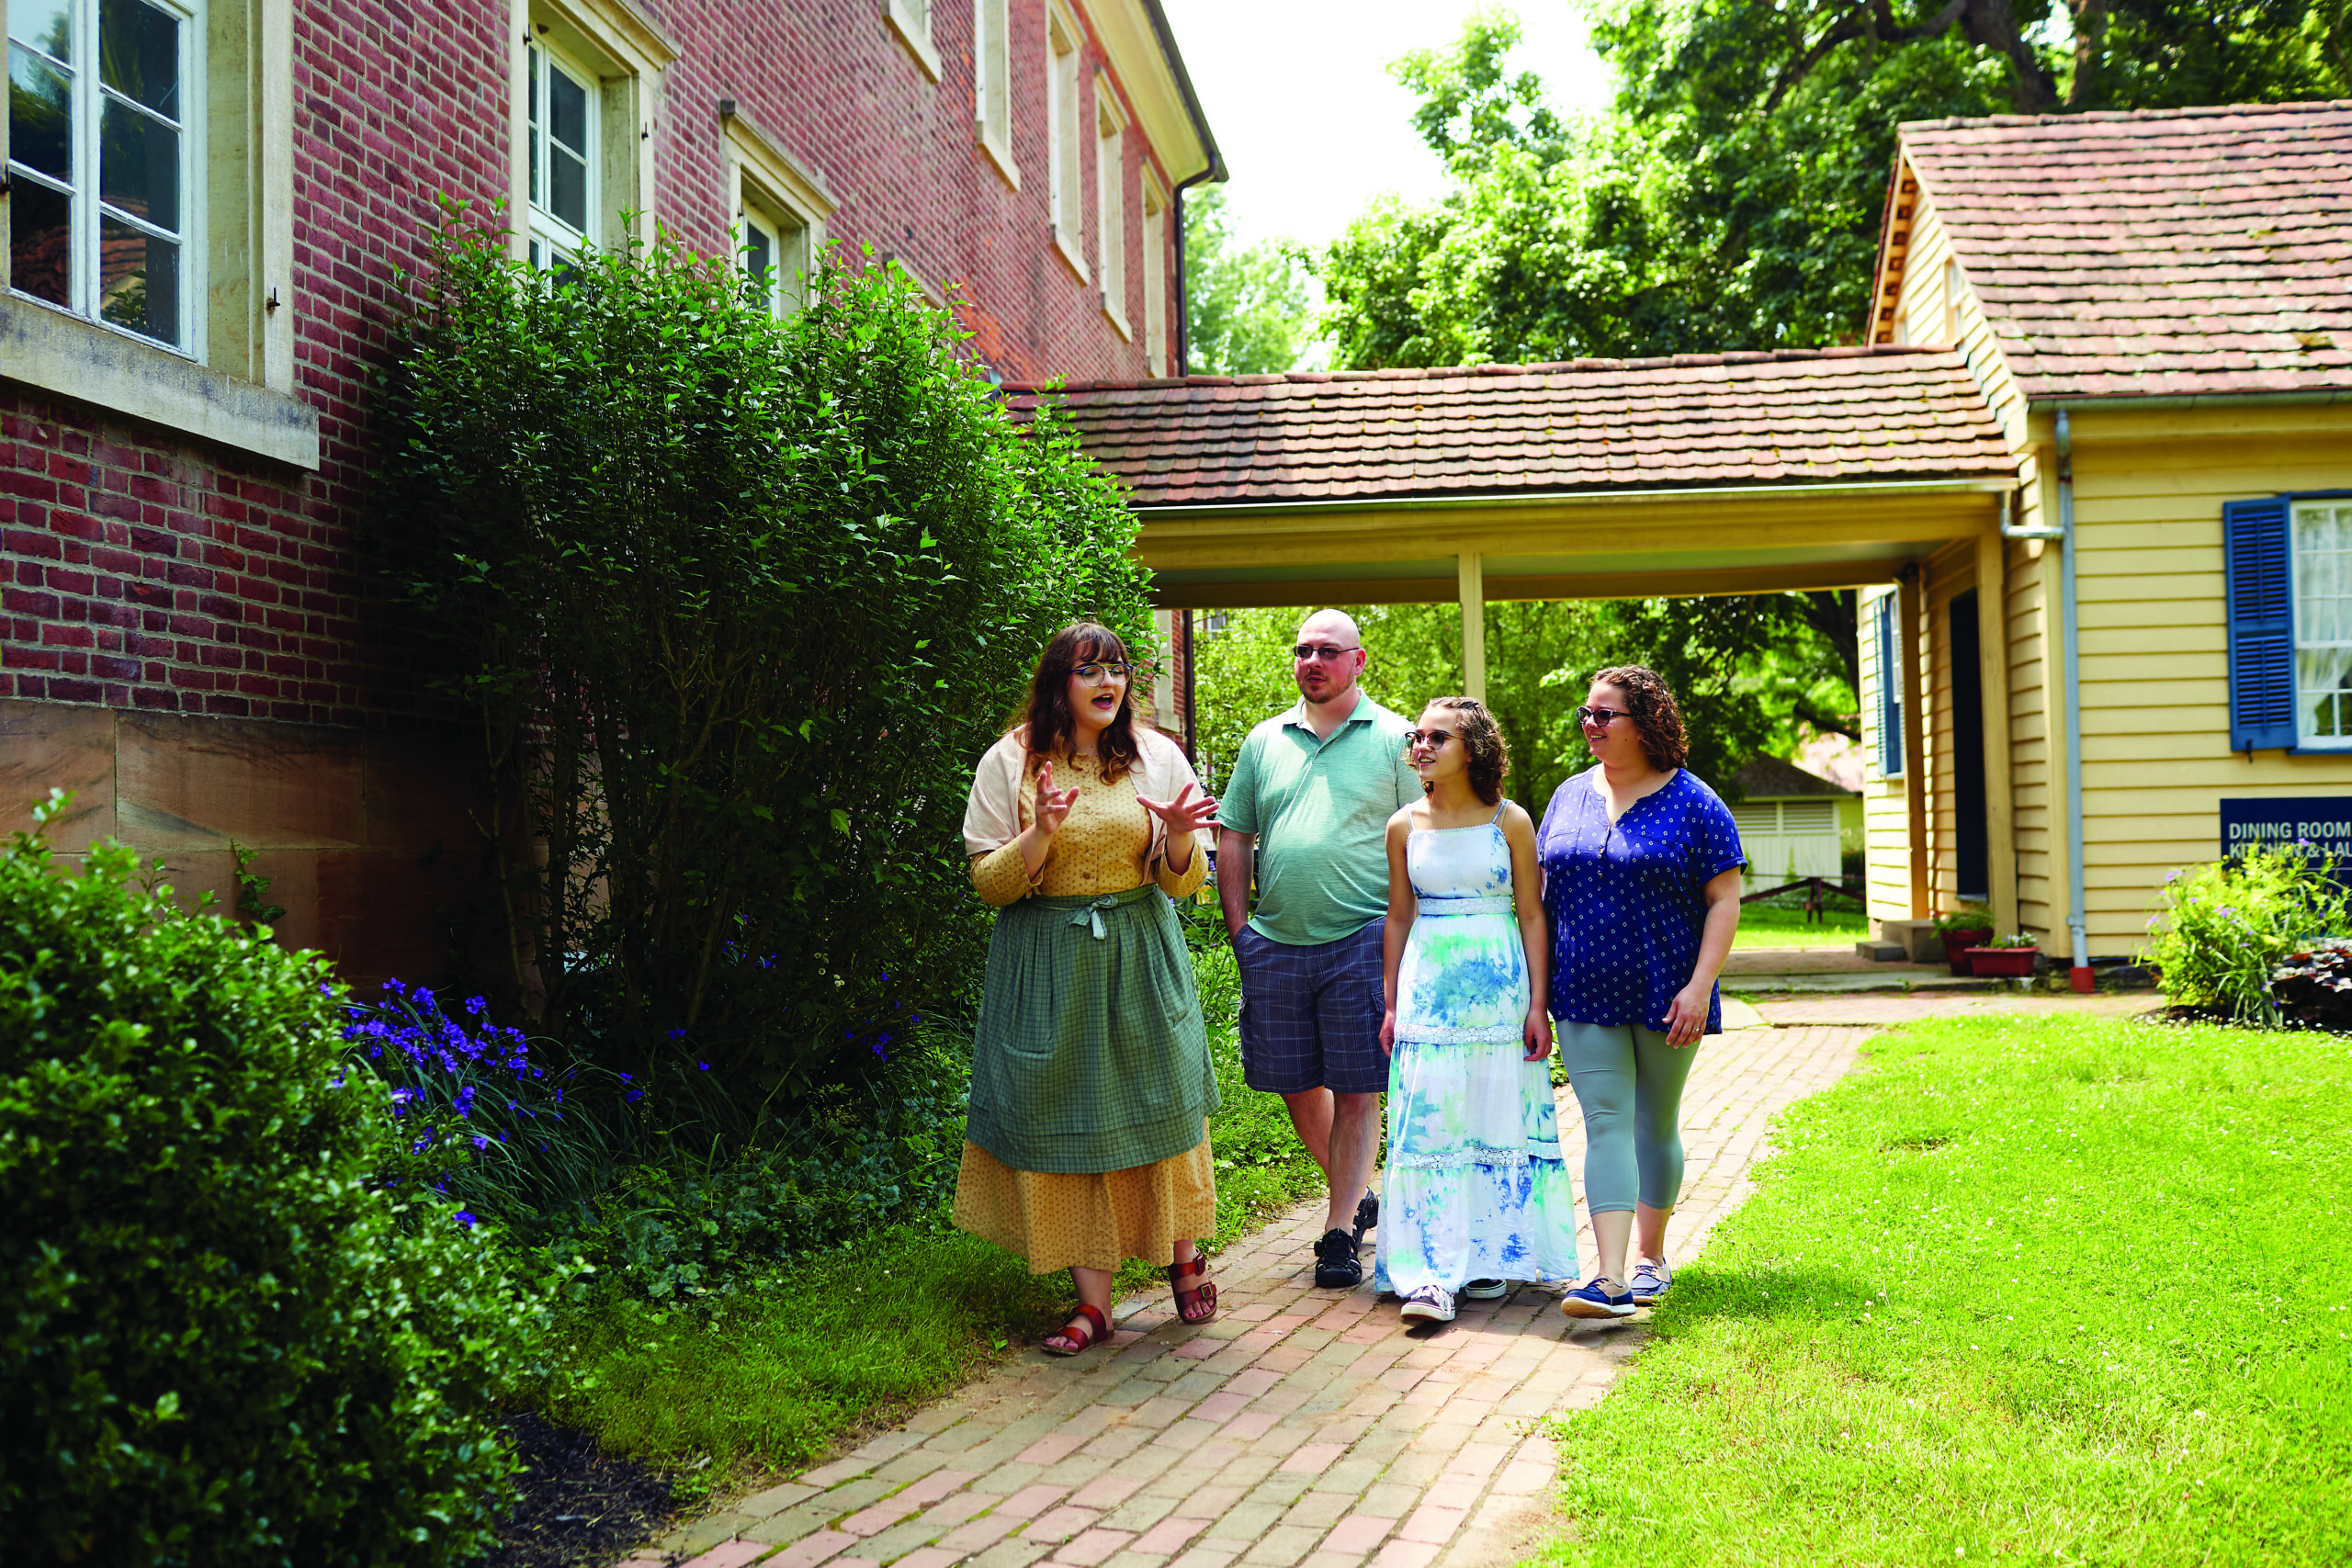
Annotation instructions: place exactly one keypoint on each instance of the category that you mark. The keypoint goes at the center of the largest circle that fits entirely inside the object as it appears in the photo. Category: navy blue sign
(2321, 822)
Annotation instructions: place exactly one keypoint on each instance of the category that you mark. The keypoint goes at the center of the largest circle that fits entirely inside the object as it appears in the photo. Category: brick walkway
(1303, 1428)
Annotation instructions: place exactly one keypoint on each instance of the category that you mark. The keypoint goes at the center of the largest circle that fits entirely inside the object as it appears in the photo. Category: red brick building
(203, 232)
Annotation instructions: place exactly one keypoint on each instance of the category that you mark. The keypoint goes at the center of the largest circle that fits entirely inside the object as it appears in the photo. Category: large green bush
(223, 1345)
(734, 603)
(2224, 926)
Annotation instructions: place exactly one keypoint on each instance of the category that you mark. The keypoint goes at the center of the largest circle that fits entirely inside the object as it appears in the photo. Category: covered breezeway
(1704, 474)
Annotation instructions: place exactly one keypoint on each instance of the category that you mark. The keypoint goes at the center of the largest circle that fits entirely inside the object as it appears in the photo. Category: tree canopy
(1247, 307)
(1729, 199)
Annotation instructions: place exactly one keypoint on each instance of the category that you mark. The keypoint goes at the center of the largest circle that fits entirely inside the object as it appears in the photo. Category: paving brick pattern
(2173, 250)
(1303, 1428)
(1837, 413)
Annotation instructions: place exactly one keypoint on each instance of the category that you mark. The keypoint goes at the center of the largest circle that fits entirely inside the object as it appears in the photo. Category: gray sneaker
(1651, 1282)
(1485, 1291)
(1429, 1304)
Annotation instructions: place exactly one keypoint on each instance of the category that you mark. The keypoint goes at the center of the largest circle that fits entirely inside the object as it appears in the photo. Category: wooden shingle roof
(1694, 421)
(2154, 253)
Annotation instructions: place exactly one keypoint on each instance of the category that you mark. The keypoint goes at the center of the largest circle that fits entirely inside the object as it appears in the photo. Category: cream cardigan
(992, 812)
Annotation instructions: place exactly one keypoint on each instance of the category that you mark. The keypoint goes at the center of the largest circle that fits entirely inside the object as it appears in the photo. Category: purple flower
(481, 1141)
(466, 1218)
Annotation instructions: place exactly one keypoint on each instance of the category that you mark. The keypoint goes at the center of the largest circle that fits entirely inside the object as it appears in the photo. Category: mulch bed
(577, 1506)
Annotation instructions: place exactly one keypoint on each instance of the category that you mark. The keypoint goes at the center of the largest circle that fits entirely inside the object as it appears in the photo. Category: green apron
(1089, 1054)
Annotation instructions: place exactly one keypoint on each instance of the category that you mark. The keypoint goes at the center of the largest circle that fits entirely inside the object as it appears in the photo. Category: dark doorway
(1968, 752)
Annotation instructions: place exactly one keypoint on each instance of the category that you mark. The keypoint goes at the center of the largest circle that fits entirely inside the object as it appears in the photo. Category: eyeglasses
(1307, 650)
(1095, 674)
(1434, 740)
(1600, 718)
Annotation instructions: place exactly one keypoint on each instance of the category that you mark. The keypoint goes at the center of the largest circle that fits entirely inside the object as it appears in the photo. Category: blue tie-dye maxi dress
(1475, 1186)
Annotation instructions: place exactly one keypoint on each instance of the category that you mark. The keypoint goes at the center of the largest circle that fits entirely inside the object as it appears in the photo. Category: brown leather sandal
(1098, 1329)
(1203, 1293)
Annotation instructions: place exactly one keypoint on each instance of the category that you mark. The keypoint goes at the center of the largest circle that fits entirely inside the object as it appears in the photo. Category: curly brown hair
(1653, 713)
(1050, 723)
(1482, 739)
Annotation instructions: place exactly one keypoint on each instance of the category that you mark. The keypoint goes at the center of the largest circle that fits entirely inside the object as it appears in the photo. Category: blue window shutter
(2260, 591)
(1890, 689)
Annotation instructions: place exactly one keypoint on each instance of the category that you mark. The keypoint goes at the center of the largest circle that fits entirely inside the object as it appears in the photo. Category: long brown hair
(1051, 724)
(1652, 708)
(1482, 742)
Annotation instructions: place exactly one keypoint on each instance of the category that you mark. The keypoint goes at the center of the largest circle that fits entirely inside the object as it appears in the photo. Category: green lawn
(1760, 926)
(858, 1336)
(2057, 1290)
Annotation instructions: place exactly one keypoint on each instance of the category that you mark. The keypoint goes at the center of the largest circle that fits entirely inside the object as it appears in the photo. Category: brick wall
(148, 573)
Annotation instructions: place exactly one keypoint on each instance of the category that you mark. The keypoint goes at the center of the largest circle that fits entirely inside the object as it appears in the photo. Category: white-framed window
(1111, 204)
(2320, 544)
(779, 206)
(1887, 618)
(105, 132)
(1952, 302)
(1062, 124)
(567, 164)
(911, 19)
(1155, 275)
(992, 85)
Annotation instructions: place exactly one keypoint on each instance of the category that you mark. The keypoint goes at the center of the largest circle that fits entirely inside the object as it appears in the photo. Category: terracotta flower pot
(1989, 963)
(1958, 941)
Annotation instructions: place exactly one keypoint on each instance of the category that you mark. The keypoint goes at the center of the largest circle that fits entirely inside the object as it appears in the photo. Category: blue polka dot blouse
(1627, 899)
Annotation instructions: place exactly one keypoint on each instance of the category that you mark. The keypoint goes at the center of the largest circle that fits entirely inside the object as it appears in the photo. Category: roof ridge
(2203, 111)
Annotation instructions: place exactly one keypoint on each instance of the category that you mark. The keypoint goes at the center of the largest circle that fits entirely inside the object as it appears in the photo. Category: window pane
(139, 281)
(567, 112)
(47, 24)
(139, 164)
(569, 176)
(538, 75)
(759, 250)
(139, 53)
(41, 247)
(40, 122)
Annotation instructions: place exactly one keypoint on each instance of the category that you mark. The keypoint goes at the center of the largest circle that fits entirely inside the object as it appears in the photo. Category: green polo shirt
(1320, 811)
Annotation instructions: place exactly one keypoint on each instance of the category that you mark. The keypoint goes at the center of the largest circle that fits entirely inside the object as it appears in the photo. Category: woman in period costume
(1088, 1138)
(1478, 1195)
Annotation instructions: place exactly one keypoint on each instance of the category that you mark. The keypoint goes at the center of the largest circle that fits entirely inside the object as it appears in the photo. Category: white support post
(1474, 625)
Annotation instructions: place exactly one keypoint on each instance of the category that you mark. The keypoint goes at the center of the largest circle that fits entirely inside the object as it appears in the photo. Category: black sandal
(1098, 1329)
(1203, 1293)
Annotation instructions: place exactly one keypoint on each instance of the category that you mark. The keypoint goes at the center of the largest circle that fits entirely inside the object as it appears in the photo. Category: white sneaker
(1429, 1304)
(1651, 1280)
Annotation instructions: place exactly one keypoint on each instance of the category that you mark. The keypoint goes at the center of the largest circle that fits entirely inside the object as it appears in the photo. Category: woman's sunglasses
(1600, 718)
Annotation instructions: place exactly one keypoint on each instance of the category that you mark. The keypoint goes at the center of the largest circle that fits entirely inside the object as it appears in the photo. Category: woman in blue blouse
(1641, 891)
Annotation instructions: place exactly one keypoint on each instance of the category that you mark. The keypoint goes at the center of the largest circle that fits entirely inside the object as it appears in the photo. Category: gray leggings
(1629, 1083)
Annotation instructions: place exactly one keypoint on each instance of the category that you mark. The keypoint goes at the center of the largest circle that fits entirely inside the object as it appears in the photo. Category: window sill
(1071, 258)
(917, 44)
(1002, 158)
(1119, 321)
(47, 349)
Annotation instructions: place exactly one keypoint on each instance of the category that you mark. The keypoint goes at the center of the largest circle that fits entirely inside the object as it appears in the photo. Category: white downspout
(2076, 925)
(2063, 536)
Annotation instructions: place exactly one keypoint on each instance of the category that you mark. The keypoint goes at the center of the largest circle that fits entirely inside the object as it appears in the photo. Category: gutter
(1214, 172)
(2002, 486)
(2187, 401)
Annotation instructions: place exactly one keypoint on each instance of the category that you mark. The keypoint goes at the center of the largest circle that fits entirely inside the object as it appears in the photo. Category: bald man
(1307, 810)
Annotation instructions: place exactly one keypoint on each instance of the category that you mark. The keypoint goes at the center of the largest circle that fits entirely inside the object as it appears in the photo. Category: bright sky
(1310, 122)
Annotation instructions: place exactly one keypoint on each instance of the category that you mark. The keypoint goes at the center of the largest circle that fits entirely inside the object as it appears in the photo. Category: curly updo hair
(1653, 711)
(1481, 741)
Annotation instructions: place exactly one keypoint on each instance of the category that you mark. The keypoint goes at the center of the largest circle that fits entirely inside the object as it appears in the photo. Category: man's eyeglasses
(1434, 740)
(1307, 650)
(1600, 718)
(1095, 674)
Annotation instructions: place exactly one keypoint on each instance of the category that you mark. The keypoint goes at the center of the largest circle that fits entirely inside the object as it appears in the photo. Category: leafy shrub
(2313, 988)
(2224, 926)
(735, 604)
(221, 1348)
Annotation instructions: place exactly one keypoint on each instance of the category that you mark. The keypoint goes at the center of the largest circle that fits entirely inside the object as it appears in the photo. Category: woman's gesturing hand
(1053, 805)
(1686, 1016)
(1182, 814)
(1539, 1033)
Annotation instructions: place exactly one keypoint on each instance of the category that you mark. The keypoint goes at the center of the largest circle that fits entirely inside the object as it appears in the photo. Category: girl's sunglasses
(1434, 740)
